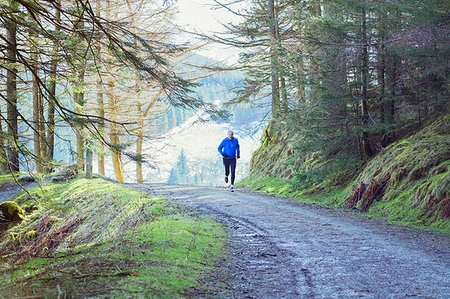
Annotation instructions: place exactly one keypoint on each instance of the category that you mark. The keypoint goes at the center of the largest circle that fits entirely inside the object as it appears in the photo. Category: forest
(87, 77)
(359, 104)
(346, 77)
(110, 118)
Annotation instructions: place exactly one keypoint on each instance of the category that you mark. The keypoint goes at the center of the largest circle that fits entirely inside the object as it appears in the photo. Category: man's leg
(226, 163)
(233, 170)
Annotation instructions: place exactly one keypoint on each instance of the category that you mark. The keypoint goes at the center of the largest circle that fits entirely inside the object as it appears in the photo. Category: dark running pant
(230, 163)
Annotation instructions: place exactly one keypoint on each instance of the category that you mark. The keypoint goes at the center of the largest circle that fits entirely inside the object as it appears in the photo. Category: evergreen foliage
(358, 75)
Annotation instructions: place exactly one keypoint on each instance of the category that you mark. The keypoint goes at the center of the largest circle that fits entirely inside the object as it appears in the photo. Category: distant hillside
(194, 134)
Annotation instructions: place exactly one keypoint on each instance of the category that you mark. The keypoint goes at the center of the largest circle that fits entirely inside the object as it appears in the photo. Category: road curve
(281, 248)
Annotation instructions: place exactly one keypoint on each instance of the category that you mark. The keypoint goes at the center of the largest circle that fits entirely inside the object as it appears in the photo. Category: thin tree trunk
(88, 163)
(79, 100)
(101, 125)
(79, 137)
(112, 103)
(42, 132)
(381, 74)
(365, 81)
(139, 143)
(38, 107)
(284, 95)
(52, 94)
(36, 125)
(100, 105)
(11, 92)
(3, 158)
(381, 97)
(274, 76)
(392, 63)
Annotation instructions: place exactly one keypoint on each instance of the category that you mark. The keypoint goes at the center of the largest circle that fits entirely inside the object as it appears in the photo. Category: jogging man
(229, 149)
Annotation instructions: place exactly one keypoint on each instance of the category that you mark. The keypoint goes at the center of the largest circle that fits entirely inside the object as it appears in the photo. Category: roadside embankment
(407, 183)
(86, 238)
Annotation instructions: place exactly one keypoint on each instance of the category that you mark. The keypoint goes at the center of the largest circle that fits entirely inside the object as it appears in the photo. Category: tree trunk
(392, 64)
(100, 105)
(274, 76)
(365, 82)
(79, 99)
(112, 103)
(381, 98)
(140, 141)
(3, 158)
(101, 125)
(36, 116)
(11, 92)
(139, 144)
(284, 95)
(88, 163)
(52, 94)
(38, 108)
(114, 130)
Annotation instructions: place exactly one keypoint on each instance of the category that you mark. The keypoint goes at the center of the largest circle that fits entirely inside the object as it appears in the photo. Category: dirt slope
(283, 248)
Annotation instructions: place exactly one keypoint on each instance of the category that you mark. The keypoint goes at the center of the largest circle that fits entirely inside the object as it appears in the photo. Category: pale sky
(201, 16)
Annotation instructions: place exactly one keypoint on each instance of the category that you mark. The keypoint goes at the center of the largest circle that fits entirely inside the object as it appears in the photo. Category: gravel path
(9, 190)
(281, 248)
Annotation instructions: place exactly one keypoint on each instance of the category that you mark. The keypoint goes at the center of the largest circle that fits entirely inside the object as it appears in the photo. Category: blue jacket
(229, 148)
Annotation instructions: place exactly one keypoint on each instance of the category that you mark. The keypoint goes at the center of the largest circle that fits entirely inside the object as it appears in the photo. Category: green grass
(123, 231)
(6, 178)
(402, 210)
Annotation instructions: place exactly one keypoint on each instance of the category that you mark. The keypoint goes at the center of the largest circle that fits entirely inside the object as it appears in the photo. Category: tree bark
(101, 125)
(381, 98)
(11, 92)
(365, 82)
(139, 144)
(274, 76)
(284, 95)
(88, 163)
(38, 138)
(52, 94)
(79, 99)
(112, 103)
(100, 104)
(3, 158)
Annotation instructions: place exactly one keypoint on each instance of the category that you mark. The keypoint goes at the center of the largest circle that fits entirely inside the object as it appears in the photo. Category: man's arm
(238, 150)
(220, 148)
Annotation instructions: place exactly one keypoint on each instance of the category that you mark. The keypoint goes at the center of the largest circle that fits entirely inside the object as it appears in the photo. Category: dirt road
(284, 248)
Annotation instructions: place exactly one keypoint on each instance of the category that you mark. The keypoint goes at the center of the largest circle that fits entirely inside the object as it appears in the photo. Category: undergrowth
(91, 238)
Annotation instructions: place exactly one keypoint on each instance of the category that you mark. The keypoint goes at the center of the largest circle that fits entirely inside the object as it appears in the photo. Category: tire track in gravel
(281, 248)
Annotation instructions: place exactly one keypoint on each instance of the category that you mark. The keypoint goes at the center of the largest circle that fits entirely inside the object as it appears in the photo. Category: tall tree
(38, 107)
(100, 101)
(11, 86)
(273, 50)
(3, 157)
(364, 85)
(79, 68)
(52, 89)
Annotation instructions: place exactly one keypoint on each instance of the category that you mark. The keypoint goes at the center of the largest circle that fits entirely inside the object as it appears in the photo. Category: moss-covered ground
(416, 170)
(92, 238)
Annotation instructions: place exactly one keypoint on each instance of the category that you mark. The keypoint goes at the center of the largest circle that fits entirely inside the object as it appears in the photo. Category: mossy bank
(407, 183)
(92, 238)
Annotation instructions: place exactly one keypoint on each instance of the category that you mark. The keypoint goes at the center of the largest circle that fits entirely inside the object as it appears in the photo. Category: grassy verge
(401, 210)
(90, 238)
(6, 178)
